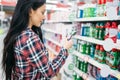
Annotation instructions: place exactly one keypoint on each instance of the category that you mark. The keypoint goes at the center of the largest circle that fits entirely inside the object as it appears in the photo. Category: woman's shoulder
(25, 35)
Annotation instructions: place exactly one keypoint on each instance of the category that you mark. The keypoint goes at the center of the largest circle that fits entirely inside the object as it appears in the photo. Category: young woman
(24, 56)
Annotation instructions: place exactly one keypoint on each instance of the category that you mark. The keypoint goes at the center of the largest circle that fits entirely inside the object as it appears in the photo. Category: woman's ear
(31, 12)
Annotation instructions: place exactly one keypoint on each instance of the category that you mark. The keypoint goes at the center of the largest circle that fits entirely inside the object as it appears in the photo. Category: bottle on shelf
(88, 48)
(92, 50)
(92, 30)
(85, 67)
(114, 59)
(107, 27)
(102, 55)
(101, 32)
(113, 31)
(108, 58)
(85, 29)
(83, 47)
(97, 30)
(97, 50)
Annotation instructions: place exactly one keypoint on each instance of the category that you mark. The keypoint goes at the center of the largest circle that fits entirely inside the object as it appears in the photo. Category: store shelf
(95, 19)
(95, 63)
(52, 31)
(51, 2)
(89, 19)
(83, 75)
(58, 21)
(47, 46)
(56, 2)
(89, 39)
(53, 41)
(90, 60)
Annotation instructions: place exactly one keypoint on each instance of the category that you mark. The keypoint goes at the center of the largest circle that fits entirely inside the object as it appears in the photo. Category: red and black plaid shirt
(32, 61)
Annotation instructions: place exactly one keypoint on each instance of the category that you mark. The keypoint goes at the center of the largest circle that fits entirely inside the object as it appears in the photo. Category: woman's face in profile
(37, 16)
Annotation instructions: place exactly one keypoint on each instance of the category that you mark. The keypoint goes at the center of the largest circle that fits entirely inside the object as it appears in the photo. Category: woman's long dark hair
(19, 23)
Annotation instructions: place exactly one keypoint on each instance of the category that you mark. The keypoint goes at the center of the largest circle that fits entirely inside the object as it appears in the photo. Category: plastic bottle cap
(101, 48)
(107, 25)
(97, 47)
(114, 25)
(114, 50)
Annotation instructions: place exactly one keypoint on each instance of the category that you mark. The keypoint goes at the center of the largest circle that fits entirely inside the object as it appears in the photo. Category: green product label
(83, 48)
(70, 66)
(75, 76)
(96, 33)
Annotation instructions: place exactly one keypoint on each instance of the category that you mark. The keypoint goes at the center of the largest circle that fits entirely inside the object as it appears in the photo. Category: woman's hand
(67, 43)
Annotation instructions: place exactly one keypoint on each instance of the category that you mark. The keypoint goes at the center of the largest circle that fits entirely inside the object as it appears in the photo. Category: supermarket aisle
(1, 47)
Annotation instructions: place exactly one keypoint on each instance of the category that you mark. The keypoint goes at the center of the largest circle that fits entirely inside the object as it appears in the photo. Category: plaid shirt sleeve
(38, 58)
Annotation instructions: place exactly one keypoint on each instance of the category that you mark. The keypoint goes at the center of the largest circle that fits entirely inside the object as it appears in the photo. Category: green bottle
(78, 64)
(97, 52)
(101, 32)
(88, 48)
(85, 68)
(97, 30)
(102, 55)
(74, 76)
(83, 47)
(81, 65)
(78, 77)
(114, 59)
(108, 58)
(92, 30)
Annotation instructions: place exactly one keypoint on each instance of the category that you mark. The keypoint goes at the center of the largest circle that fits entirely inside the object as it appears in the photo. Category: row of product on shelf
(56, 27)
(54, 36)
(97, 52)
(90, 70)
(59, 15)
(53, 46)
(99, 9)
(109, 8)
(100, 30)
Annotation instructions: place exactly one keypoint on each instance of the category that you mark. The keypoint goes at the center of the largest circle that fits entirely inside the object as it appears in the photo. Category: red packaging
(109, 0)
(101, 1)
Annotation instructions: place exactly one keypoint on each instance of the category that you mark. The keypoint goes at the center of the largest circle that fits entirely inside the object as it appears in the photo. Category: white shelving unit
(83, 75)
(89, 39)
(89, 19)
(95, 63)
(95, 41)
(56, 2)
(51, 49)
(55, 42)
(95, 19)
(55, 21)
(52, 31)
